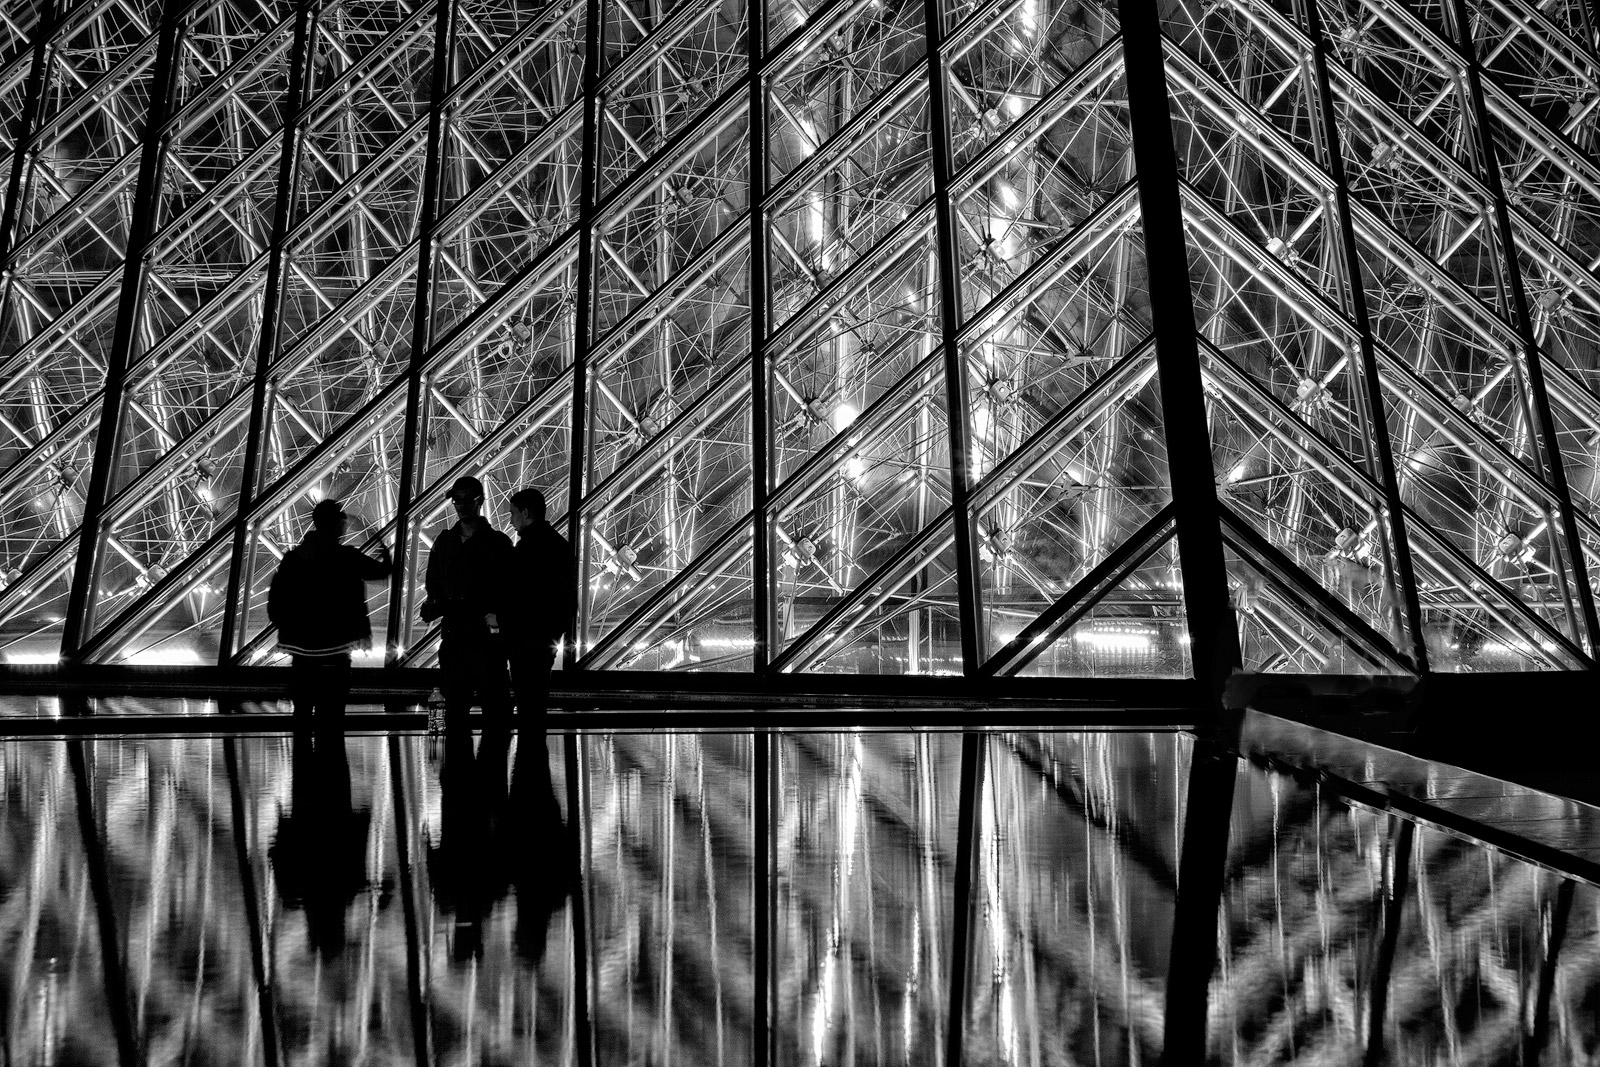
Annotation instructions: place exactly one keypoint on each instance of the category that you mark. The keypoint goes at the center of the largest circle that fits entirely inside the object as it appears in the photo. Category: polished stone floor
(396, 898)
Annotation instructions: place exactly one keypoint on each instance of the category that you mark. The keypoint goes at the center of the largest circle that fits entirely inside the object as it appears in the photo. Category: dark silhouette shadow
(467, 868)
(544, 867)
(493, 839)
(319, 855)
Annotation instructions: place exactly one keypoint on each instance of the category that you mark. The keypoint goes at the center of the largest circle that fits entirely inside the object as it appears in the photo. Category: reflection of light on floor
(999, 923)
(849, 824)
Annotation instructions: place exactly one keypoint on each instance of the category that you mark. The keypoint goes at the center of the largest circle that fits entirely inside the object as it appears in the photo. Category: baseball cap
(466, 486)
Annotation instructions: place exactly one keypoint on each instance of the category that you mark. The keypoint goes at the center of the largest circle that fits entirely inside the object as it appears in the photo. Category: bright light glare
(844, 416)
(33, 657)
(1107, 641)
(163, 657)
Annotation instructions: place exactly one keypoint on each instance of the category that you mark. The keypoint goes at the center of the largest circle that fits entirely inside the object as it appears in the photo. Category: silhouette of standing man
(467, 570)
(318, 602)
(539, 604)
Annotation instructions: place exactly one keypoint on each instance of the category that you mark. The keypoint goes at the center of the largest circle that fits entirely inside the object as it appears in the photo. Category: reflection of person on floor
(491, 840)
(538, 606)
(319, 856)
(466, 575)
(318, 602)
(466, 867)
(543, 866)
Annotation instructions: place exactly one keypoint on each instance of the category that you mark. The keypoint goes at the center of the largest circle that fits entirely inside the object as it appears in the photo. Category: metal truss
(846, 337)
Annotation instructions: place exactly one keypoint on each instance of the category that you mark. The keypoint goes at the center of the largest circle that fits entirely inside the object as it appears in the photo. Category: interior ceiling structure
(256, 254)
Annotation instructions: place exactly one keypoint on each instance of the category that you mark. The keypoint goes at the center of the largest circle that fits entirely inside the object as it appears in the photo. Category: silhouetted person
(466, 579)
(539, 604)
(543, 861)
(318, 601)
(320, 852)
(468, 867)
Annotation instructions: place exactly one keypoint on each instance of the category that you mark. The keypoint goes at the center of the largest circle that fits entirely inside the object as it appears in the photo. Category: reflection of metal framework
(159, 906)
(718, 277)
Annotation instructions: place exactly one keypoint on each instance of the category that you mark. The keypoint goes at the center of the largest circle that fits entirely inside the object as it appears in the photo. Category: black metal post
(1399, 874)
(1202, 868)
(142, 226)
(583, 310)
(761, 598)
(129, 1053)
(444, 37)
(1377, 417)
(266, 1004)
(949, 323)
(1553, 467)
(241, 567)
(1213, 635)
(974, 747)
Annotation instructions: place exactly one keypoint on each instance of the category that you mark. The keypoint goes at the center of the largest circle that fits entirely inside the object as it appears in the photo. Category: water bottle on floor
(435, 712)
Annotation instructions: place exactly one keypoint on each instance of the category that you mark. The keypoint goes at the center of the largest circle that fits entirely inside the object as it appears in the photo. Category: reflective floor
(413, 900)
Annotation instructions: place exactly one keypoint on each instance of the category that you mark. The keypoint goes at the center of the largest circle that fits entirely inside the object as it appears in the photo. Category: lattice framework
(835, 352)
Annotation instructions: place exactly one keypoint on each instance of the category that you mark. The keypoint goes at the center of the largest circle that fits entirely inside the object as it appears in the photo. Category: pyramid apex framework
(942, 403)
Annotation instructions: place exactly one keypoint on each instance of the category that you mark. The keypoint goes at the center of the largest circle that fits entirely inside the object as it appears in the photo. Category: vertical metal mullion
(760, 456)
(240, 567)
(27, 121)
(265, 1002)
(1399, 874)
(1376, 411)
(119, 1003)
(1213, 635)
(422, 320)
(1202, 868)
(141, 228)
(1553, 468)
(974, 747)
(949, 321)
(583, 312)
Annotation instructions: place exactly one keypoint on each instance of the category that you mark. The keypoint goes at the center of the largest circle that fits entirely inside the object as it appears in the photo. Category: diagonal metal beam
(1366, 384)
(79, 622)
(1084, 594)
(955, 371)
(27, 118)
(1213, 630)
(240, 571)
(1551, 462)
(584, 324)
(1291, 579)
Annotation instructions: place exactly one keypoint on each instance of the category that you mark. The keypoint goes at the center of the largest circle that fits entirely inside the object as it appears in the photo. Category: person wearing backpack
(318, 602)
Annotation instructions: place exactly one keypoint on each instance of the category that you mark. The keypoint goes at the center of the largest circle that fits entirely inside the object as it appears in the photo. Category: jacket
(318, 597)
(543, 591)
(467, 577)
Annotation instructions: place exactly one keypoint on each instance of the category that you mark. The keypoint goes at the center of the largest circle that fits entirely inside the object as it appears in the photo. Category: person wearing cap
(318, 602)
(466, 579)
(540, 604)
